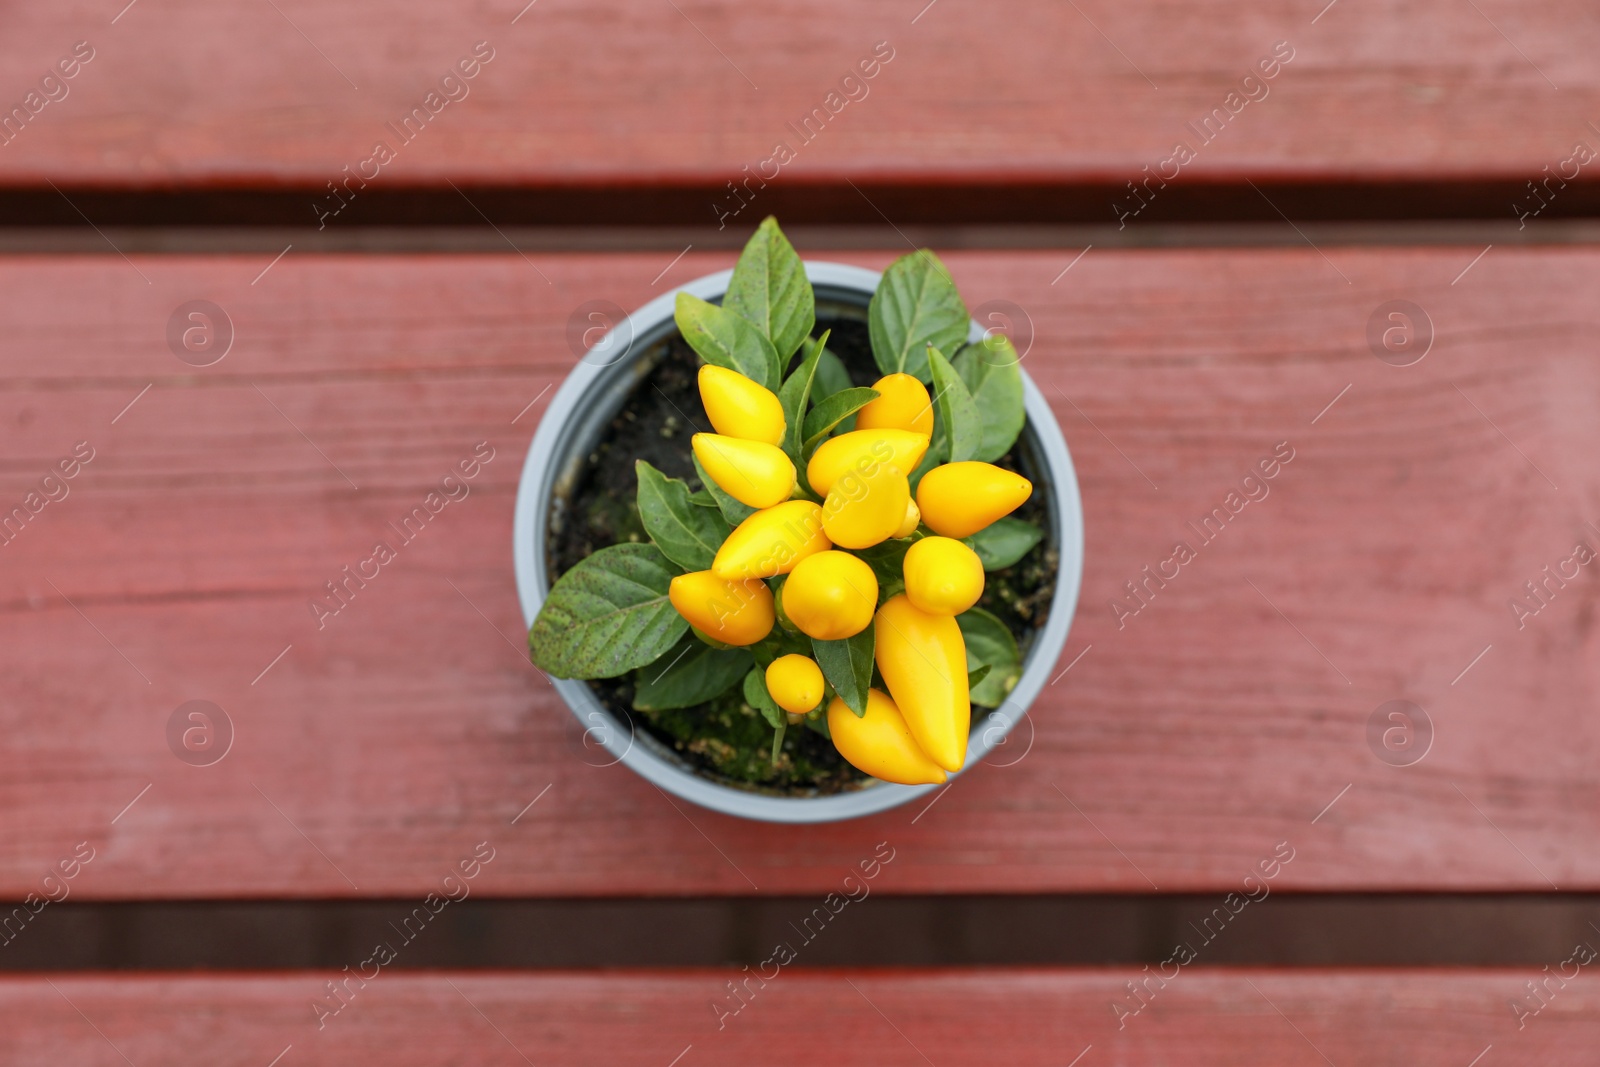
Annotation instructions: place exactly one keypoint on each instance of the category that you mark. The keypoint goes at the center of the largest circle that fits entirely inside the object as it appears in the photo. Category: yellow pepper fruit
(739, 407)
(943, 576)
(959, 499)
(913, 519)
(734, 613)
(754, 473)
(830, 596)
(880, 742)
(863, 451)
(864, 509)
(772, 541)
(902, 404)
(923, 660)
(795, 683)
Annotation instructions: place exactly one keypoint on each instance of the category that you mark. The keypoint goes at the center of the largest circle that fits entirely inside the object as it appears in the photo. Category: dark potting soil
(725, 737)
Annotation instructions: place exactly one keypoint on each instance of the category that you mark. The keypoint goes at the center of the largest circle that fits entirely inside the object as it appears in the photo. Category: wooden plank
(635, 93)
(1229, 715)
(1201, 1017)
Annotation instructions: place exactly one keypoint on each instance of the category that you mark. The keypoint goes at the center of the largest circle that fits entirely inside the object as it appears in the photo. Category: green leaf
(794, 394)
(724, 339)
(768, 648)
(990, 644)
(770, 290)
(832, 411)
(701, 498)
(831, 377)
(1003, 542)
(916, 305)
(731, 509)
(785, 629)
(930, 459)
(756, 695)
(993, 375)
(960, 427)
(977, 676)
(847, 665)
(690, 673)
(887, 560)
(608, 615)
(780, 642)
(687, 535)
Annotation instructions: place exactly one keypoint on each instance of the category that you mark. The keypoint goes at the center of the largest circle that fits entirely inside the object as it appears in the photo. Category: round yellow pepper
(772, 541)
(913, 519)
(794, 683)
(863, 451)
(754, 473)
(734, 613)
(830, 596)
(864, 509)
(923, 660)
(902, 404)
(943, 576)
(880, 742)
(739, 407)
(959, 499)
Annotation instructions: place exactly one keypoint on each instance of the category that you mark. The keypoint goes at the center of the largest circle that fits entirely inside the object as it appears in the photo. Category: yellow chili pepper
(830, 596)
(943, 576)
(795, 683)
(863, 451)
(754, 473)
(902, 404)
(923, 660)
(739, 407)
(734, 613)
(880, 742)
(864, 509)
(772, 541)
(959, 499)
(913, 519)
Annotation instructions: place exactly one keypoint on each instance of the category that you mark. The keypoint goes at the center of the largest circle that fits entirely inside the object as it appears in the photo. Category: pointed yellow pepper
(880, 742)
(902, 404)
(959, 499)
(923, 660)
(863, 451)
(754, 473)
(864, 509)
(735, 613)
(772, 541)
(739, 407)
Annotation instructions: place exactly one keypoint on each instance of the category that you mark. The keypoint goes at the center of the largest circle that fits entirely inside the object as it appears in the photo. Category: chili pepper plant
(823, 574)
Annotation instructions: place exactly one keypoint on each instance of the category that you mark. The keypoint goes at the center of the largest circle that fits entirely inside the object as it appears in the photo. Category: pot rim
(637, 331)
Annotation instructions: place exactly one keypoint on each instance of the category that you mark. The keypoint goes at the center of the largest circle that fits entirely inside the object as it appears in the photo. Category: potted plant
(782, 529)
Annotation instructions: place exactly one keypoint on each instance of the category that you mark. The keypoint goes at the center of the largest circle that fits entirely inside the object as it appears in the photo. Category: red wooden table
(1226, 723)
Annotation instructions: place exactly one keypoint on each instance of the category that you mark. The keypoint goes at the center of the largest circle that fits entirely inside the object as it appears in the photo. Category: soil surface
(726, 738)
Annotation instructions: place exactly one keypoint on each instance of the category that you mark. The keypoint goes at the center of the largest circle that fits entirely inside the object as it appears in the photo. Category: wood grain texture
(1177, 753)
(634, 93)
(949, 1018)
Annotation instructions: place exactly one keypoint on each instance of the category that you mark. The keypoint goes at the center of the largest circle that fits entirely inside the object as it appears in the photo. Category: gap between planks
(193, 240)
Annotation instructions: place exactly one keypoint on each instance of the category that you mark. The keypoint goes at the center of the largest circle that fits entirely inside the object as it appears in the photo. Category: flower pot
(586, 403)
